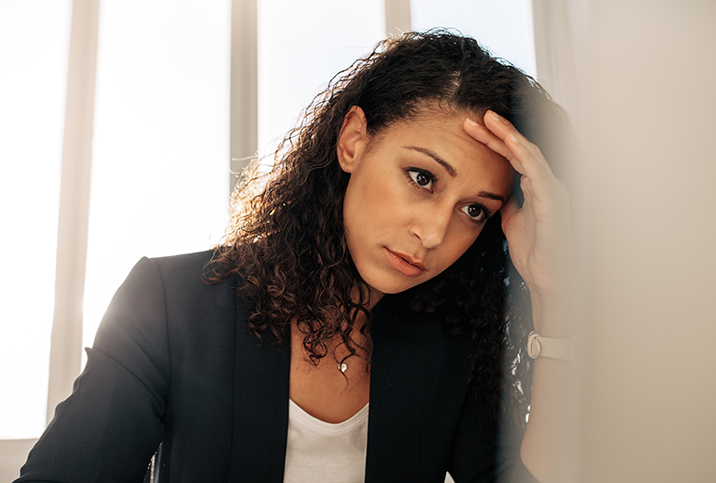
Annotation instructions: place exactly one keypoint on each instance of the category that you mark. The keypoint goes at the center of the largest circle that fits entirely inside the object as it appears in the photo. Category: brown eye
(421, 178)
(476, 212)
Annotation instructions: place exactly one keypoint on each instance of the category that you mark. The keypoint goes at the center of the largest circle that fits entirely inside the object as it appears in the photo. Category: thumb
(509, 209)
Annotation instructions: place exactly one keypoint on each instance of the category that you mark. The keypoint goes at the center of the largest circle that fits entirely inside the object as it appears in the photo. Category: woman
(355, 275)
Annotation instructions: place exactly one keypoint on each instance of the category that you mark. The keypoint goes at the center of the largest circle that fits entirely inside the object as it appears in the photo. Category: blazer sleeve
(111, 425)
(482, 452)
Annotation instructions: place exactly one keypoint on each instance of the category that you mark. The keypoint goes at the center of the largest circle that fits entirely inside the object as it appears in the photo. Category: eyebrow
(492, 196)
(437, 158)
(452, 171)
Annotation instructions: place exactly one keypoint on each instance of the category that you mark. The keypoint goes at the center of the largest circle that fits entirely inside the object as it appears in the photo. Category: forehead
(433, 124)
(441, 132)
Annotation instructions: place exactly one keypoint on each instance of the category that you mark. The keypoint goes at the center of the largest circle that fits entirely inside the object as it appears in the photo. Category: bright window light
(301, 46)
(160, 171)
(504, 27)
(34, 44)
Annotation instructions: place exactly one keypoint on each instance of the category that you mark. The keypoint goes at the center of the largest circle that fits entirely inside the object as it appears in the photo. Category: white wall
(649, 234)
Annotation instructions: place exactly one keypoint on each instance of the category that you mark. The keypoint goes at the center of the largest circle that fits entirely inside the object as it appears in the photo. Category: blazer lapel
(401, 376)
(397, 395)
(261, 391)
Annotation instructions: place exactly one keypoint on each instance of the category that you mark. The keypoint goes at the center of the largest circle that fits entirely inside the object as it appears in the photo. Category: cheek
(372, 199)
(356, 205)
(363, 218)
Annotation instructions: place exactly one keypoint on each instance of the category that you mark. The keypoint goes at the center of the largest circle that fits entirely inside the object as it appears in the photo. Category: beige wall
(647, 211)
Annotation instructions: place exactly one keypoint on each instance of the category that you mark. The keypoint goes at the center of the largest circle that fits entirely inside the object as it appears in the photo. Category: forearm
(549, 447)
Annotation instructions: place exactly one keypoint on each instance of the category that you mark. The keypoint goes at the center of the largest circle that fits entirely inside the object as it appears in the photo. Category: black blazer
(171, 363)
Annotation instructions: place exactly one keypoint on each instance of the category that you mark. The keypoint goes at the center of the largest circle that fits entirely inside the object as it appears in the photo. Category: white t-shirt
(321, 451)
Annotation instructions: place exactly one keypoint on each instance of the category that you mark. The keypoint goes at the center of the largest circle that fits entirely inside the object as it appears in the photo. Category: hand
(539, 232)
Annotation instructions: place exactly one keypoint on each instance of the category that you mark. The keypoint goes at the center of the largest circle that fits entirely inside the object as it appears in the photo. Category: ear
(352, 139)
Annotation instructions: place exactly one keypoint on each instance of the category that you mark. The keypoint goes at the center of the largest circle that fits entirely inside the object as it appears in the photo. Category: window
(34, 43)
(317, 39)
(160, 161)
(160, 167)
(504, 27)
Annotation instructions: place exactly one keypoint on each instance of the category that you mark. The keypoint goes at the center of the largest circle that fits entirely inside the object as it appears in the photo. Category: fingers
(501, 136)
(523, 156)
(505, 130)
(486, 137)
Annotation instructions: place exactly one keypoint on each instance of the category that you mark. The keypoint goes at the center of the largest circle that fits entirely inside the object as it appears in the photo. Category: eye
(475, 212)
(422, 178)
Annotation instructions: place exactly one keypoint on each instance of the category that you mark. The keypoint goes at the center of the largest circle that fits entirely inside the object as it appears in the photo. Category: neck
(374, 296)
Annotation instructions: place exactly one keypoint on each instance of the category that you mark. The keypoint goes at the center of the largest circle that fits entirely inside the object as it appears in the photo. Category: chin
(390, 287)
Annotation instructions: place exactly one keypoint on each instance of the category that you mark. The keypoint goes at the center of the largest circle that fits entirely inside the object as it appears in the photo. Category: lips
(405, 264)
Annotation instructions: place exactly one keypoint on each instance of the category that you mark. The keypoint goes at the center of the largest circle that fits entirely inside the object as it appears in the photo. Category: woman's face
(419, 194)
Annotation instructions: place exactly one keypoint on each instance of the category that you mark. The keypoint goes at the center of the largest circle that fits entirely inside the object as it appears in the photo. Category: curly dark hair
(287, 224)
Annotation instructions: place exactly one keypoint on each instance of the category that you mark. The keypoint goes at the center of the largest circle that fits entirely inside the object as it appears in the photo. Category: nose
(431, 226)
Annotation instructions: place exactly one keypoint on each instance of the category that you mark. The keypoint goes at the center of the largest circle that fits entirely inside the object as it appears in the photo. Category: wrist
(552, 348)
(553, 317)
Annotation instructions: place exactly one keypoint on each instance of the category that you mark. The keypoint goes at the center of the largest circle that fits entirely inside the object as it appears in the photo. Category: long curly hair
(286, 236)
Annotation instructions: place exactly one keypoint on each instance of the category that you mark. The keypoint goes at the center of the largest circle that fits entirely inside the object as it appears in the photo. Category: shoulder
(166, 309)
(188, 266)
(171, 293)
(185, 260)
(177, 276)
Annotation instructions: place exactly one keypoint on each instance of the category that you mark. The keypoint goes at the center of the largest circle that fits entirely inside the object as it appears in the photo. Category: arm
(541, 247)
(110, 426)
(482, 452)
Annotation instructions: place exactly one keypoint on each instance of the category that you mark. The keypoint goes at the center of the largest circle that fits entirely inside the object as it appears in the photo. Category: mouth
(405, 264)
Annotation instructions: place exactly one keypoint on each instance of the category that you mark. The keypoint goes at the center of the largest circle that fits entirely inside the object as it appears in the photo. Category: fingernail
(495, 117)
(471, 122)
